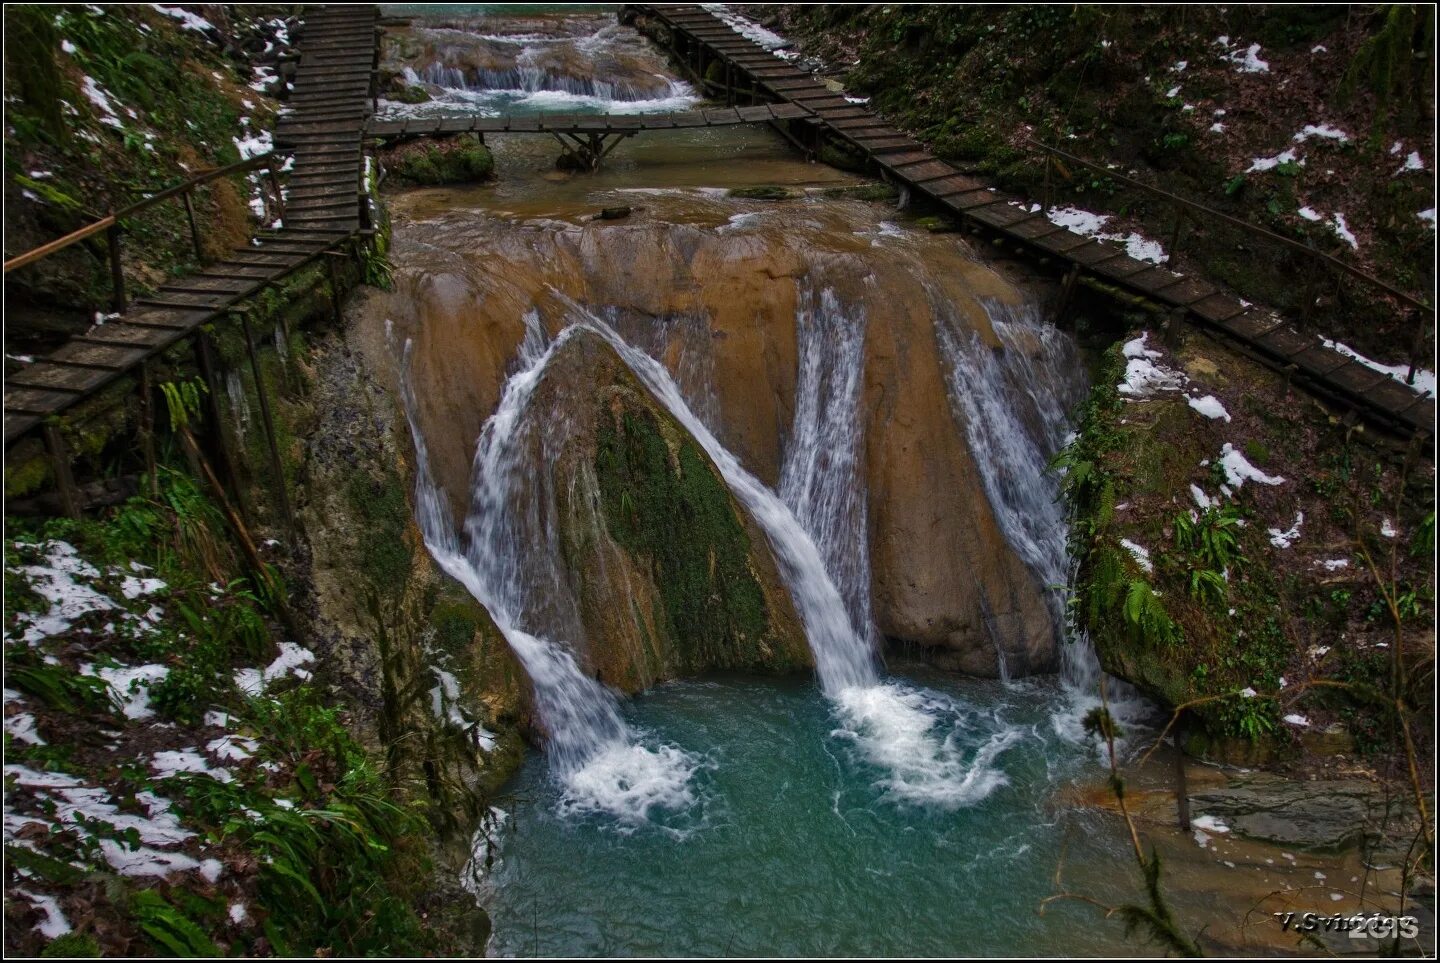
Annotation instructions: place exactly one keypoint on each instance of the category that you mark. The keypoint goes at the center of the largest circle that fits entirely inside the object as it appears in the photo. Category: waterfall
(1014, 403)
(926, 747)
(821, 479)
(508, 558)
(532, 79)
(843, 658)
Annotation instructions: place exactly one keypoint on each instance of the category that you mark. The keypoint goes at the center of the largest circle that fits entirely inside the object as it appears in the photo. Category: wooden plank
(104, 357)
(1092, 253)
(1251, 325)
(1217, 307)
(1033, 227)
(1353, 377)
(1319, 360)
(48, 376)
(1189, 291)
(1285, 341)
(1121, 268)
(968, 200)
(201, 283)
(35, 401)
(1153, 280)
(178, 299)
(998, 214)
(913, 170)
(1062, 241)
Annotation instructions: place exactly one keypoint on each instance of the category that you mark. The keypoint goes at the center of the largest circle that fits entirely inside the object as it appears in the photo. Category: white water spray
(508, 560)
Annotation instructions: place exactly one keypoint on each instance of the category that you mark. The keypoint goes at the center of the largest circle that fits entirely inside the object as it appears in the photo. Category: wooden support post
(242, 532)
(334, 287)
(1067, 293)
(194, 231)
(276, 465)
(147, 430)
(229, 464)
(1175, 234)
(275, 187)
(1173, 329)
(60, 467)
(1045, 198)
(1416, 346)
(117, 271)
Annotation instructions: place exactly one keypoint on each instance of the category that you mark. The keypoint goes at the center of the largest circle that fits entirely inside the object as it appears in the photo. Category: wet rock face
(715, 298)
(1326, 814)
(672, 578)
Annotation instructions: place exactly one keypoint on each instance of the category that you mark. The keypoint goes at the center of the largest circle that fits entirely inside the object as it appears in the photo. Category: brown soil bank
(717, 304)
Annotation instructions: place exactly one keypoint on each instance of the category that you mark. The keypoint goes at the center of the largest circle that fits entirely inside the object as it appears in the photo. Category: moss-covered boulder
(454, 160)
(671, 575)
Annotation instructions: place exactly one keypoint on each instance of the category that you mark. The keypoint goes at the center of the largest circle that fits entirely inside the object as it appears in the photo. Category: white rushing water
(1015, 404)
(822, 480)
(508, 559)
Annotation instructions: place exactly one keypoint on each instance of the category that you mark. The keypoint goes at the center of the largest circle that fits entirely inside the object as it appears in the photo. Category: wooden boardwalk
(338, 49)
(701, 38)
(449, 124)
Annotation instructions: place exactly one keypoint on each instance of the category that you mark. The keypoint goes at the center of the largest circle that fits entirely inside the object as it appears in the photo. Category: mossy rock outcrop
(455, 160)
(671, 576)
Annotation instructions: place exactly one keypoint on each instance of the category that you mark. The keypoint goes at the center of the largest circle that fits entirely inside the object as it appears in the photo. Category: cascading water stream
(1014, 404)
(821, 479)
(507, 560)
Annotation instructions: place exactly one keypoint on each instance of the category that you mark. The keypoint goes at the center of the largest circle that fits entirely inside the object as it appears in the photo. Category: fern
(1209, 586)
(169, 928)
(1155, 919)
(182, 399)
(1146, 618)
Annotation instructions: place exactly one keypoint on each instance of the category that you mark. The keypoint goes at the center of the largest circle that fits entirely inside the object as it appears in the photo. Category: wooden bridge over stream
(326, 209)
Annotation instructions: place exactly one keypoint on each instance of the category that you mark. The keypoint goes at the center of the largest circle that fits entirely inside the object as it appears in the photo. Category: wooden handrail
(1329, 259)
(112, 221)
(45, 250)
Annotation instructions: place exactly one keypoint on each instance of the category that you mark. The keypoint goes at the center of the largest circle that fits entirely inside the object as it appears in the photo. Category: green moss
(410, 94)
(671, 509)
(458, 160)
(865, 192)
(385, 552)
(25, 471)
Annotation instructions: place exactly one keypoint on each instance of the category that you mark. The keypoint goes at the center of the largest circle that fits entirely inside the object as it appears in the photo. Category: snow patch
(1262, 164)
(1321, 132)
(1090, 224)
(1238, 469)
(1209, 406)
(1287, 538)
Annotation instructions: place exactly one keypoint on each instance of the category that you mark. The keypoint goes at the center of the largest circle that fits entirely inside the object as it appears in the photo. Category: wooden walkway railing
(324, 205)
(700, 40)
